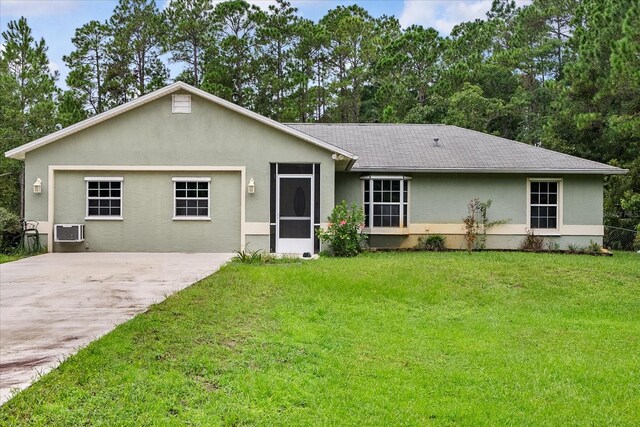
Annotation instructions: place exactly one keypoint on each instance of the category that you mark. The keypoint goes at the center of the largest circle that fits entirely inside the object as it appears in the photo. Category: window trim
(87, 180)
(177, 179)
(404, 227)
(557, 231)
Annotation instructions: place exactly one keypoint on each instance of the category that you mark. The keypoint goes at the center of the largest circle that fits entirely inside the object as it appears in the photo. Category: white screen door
(294, 214)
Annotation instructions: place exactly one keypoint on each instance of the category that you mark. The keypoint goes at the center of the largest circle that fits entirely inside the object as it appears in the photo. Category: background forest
(563, 74)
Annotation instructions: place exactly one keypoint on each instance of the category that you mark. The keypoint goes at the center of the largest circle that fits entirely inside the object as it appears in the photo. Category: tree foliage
(27, 103)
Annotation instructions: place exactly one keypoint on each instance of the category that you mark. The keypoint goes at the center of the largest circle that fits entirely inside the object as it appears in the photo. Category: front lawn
(383, 339)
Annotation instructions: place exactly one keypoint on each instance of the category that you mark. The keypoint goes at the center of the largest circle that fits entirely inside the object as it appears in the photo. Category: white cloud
(442, 15)
(29, 8)
(53, 67)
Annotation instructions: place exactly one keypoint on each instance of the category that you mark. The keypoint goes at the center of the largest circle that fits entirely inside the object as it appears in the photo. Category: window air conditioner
(69, 233)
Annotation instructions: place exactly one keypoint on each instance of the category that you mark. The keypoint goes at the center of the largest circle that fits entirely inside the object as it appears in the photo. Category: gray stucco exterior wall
(147, 210)
(438, 203)
(152, 136)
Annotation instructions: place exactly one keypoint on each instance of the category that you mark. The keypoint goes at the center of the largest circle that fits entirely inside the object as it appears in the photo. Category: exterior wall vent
(181, 104)
(69, 233)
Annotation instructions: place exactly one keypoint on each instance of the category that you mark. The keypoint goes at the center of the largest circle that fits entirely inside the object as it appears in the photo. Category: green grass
(11, 257)
(384, 339)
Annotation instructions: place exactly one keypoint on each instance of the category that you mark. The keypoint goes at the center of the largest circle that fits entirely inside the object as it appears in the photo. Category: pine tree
(135, 67)
(190, 33)
(231, 58)
(276, 37)
(88, 65)
(27, 102)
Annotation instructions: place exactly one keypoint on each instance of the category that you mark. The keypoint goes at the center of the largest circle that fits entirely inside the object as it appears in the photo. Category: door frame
(310, 177)
(292, 170)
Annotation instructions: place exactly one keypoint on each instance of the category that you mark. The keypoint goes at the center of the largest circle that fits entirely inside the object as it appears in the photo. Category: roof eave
(612, 171)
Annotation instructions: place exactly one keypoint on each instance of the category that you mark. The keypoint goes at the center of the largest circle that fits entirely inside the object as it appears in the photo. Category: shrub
(435, 243)
(476, 224)
(594, 247)
(636, 241)
(552, 246)
(532, 242)
(10, 230)
(574, 249)
(344, 233)
(248, 257)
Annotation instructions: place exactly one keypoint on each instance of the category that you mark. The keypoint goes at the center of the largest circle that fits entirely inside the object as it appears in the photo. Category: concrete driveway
(51, 305)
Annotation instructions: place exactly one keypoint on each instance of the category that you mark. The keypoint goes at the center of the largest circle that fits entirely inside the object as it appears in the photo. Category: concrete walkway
(51, 305)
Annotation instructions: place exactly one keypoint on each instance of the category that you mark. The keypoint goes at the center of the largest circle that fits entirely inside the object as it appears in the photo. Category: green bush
(532, 242)
(436, 242)
(248, 257)
(344, 233)
(574, 249)
(636, 241)
(594, 247)
(10, 229)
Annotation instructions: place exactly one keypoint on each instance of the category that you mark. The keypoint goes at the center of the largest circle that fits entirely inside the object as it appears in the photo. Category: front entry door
(294, 226)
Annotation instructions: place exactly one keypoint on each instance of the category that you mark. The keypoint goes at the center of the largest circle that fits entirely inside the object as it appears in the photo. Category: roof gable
(19, 152)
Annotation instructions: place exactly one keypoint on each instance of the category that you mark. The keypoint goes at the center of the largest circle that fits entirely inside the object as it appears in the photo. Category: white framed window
(191, 198)
(386, 201)
(104, 197)
(544, 211)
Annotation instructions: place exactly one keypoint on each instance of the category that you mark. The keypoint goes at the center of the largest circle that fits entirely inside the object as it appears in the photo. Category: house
(181, 170)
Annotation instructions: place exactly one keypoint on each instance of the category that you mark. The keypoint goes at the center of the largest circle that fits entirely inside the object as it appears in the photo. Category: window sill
(546, 232)
(400, 231)
(104, 218)
(191, 218)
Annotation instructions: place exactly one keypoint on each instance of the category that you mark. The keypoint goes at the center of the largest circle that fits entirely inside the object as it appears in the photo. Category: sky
(57, 20)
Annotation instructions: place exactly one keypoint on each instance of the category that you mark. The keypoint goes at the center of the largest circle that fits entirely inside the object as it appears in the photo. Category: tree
(12, 121)
(70, 109)
(407, 70)
(88, 65)
(351, 51)
(470, 109)
(231, 59)
(190, 24)
(276, 35)
(135, 67)
(624, 122)
(308, 100)
(27, 102)
(588, 119)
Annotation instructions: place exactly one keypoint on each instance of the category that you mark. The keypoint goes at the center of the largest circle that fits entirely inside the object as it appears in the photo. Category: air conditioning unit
(68, 233)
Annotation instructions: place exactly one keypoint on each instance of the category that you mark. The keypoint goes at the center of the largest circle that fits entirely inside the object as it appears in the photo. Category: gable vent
(181, 104)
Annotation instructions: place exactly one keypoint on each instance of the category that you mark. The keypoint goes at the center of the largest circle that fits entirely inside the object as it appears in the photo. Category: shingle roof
(401, 147)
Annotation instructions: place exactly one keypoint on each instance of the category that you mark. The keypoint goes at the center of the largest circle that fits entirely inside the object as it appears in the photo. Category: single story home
(181, 170)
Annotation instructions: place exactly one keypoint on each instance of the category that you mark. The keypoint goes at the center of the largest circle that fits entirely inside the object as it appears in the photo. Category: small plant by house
(434, 243)
(574, 249)
(476, 224)
(532, 242)
(344, 233)
(594, 247)
(249, 257)
(10, 230)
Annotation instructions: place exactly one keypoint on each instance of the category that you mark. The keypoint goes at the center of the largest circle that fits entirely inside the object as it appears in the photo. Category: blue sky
(56, 20)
